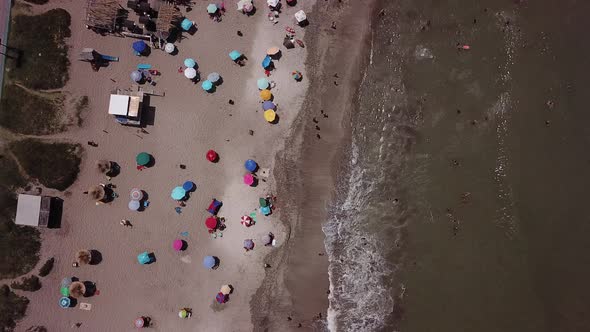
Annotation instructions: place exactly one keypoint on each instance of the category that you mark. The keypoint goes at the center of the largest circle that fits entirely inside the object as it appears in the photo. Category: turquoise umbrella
(263, 83)
(190, 63)
(178, 193)
(186, 24)
(207, 85)
(65, 302)
(144, 258)
(212, 8)
(235, 55)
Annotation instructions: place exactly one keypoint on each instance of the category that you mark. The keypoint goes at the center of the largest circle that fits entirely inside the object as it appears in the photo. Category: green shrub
(29, 284)
(47, 267)
(12, 308)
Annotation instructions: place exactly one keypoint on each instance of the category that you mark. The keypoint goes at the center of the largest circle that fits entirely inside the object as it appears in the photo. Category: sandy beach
(181, 127)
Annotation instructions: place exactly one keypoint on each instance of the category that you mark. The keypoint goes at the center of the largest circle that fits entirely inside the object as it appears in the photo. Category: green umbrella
(143, 159)
(65, 291)
(263, 202)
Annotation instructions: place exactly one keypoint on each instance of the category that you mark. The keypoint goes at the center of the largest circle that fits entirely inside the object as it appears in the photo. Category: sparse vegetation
(81, 107)
(55, 165)
(29, 284)
(47, 267)
(10, 177)
(12, 308)
(38, 2)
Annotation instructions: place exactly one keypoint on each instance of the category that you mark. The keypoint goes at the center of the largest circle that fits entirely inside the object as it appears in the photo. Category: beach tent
(262, 83)
(265, 95)
(83, 257)
(248, 244)
(214, 77)
(186, 24)
(270, 115)
(169, 48)
(77, 289)
(273, 51)
(144, 258)
(250, 165)
(212, 156)
(139, 46)
(178, 193)
(209, 262)
(249, 179)
(143, 158)
(221, 298)
(65, 302)
(207, 85)
(214, 206)
(136, 76)
(300, 16)
(190, 73)
(212, 8)
(177, 244)
(268, 105)
(188, 186)
(211, 223)
(266, 62)
(134, 205)
(190, 63)
(235, 55)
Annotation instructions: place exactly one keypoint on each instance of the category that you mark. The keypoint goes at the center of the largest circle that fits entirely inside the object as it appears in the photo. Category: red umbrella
(211, 223)
(211, 156)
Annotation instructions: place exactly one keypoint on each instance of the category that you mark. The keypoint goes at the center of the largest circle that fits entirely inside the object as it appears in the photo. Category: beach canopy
(225, 289)
(300, 16)
(273, 51)
(265, 94)
(177, 244)
(188, 185)
(103, 166)
(186, 24)
(169, 48)
(272, 3)
(268, 105)
(211, 223)
(77, 289)
(66, 282)
(213, 77)
(211, 155)
(212, 8)
(178, 193)
(249, 244)
(190, 73)
(235, 55)
(139, 322)
(136, 76)
(143, 158)
(133, 205)
(144, 258)
(250, 165)
(209, 262)
(83, 256)
(266, 62)
(190, 63)
(249, 179)
(97, 193)
(139, 46)
(270, 115)
(221, 298)
(207, 85)
(262, 83)
(65, 302)
(136, 194)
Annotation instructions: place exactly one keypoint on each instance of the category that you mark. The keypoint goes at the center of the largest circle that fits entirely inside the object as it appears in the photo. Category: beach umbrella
(207, 85)
(66, 282)
(65, 302)
(235, 55)
(143, 158)
(65, 290)
(188, 185)
(212, 8)
(190, 73)
(273, 51)
(266, 62)
(183, 313)
(297, 75)
(249, 244)
(211, 155)
(139, 322)
(190, 63)
(139, 46)
(97, 193)
(83, 256)
(77, 289)
(248, 7)
(213, 77)
(262, 83)
(265, 210)
(144, 258)
(186, 24)
(272, 3)
(225, 289)
(267, 239)
(209, 262)
(242, 3)
(250, 165)
(178, 193)
(169, 48)
(265, 94)
(211, 223)
(249, 179)
(288, 43)
(300, 16)
(136, 76)
(133, 205)
(268, 105)
(246, 221)
(177, 245)
(220, 298)
(270, 115)
(136, 194)
(103, 166)
(262, 201)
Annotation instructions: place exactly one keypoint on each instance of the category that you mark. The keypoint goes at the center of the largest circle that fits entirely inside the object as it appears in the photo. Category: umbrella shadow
(142, 202)
(255, 182)
(152, 257)
(90, 288)
(276, 120)
(184, 245)
(96, 257)
(252, 12)
(55, 212)
(115, 169)
(304, 23)
(217, 263)
(276, 57)
(213, 89)
(292, 3)
(218, 82)
(148, 117)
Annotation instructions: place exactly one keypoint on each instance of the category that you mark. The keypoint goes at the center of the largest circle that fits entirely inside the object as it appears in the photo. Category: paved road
(4, 23)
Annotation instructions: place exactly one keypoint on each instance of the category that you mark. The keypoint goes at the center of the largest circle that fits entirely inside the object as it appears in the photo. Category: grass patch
(29, 284)
(12, 308)
(81, 107)
(30, 113)
(55, 165)
(20, 248)
(44, 54)
(10, 177)
(47, 267)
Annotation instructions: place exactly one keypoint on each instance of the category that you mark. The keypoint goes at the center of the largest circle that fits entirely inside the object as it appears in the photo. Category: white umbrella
(190, 73)
(272, 3)
(243, 3)
(133, 205)
(169, 48)
(300, 16)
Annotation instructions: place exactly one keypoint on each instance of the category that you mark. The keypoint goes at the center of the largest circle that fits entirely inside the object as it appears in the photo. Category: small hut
(33, 210)
(168, 19)
(102, 15)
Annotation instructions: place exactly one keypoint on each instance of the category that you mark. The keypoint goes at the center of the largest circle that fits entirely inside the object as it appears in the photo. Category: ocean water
(462, 207)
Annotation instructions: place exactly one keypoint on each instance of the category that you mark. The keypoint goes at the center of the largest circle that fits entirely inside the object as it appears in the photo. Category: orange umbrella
(265, 94)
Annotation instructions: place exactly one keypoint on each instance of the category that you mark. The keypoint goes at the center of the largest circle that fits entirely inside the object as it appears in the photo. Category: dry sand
(184, 125)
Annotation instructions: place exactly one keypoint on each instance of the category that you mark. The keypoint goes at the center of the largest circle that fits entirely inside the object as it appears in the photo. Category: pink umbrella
(139, 322)
(177, 245)
(249, 179)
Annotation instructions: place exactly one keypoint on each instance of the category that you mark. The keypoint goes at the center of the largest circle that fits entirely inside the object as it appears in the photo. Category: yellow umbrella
(225, 289)
(273, 50)
(265, 94)
(270, 115)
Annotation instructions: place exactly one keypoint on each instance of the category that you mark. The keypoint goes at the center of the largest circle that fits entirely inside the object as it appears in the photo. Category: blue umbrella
(144, 258)
(213, 77)
(136, 76)
(139, 46)
(207, 85)
(211, 8)
(268, 105)
(188, 186)
(209, 262)
(249, 244)
(178, 193)
(65, 302)
(235, 55)
(250, 165)
(186, 24)
(190, 63)
(266, 62)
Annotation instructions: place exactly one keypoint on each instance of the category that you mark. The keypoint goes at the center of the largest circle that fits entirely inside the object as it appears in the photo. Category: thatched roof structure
(102, 14)
(168, 18)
